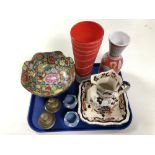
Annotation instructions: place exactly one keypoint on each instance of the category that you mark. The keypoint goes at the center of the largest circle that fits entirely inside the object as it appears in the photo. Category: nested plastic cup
(85, 46)
(87, 33)
(84, 63)
(87, 51)
(86, 57)
(83, 71)
(86, 37)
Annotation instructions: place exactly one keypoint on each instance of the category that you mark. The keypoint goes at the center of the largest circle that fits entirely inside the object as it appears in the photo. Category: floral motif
(108, 62)
(52, 78)
(99, 100)
(51, 60)
(48, 74)
(39, 56)
(96, 78)
(25, 78)
(104, 115)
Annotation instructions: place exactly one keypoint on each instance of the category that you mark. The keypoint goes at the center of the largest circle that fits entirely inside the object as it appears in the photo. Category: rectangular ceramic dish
(37, 107)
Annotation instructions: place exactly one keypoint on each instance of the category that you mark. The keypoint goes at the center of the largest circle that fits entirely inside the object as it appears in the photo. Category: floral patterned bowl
(48, 74)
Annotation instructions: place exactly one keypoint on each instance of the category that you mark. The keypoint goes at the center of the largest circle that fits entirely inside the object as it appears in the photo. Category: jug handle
(124, 87)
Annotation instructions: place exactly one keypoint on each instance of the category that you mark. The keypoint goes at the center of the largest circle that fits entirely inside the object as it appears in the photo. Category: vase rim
(119, 38)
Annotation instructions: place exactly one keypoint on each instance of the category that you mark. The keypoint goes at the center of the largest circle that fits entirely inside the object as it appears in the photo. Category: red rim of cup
(80, 32)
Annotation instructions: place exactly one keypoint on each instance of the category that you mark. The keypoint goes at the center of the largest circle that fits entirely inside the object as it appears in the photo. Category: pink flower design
(52, 78)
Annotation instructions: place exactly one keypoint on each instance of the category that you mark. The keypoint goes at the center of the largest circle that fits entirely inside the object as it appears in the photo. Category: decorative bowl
(48, 74)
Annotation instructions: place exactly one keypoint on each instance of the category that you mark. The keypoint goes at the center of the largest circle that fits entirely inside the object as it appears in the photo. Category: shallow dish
(118, 115)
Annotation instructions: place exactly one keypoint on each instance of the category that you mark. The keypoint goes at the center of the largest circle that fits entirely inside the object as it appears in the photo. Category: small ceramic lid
(46, 120)
(52, 105)
(48, 74)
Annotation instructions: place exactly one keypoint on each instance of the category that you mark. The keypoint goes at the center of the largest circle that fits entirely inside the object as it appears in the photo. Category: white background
(21, 38)
(20, 20)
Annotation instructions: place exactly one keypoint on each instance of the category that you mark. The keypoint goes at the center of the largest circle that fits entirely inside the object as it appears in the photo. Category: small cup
(46, 120)
(52, 105)
(71, 119)
(70, 101)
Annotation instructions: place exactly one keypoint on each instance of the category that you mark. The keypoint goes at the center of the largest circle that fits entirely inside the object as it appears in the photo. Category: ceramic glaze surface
(108, 62)
(106, 89)
(71, 119)
(70, 101)
(118, 114)
(118, 41)
(48, 74)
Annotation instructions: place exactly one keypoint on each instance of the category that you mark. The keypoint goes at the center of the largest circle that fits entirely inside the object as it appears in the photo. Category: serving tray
(37, 107)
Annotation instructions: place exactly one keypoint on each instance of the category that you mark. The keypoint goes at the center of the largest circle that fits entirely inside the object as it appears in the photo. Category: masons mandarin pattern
(117, 115)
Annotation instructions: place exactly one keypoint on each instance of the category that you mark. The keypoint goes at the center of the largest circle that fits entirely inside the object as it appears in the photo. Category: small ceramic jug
(106, 89)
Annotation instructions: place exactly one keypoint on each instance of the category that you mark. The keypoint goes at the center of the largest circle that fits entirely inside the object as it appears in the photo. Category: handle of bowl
(124, 87)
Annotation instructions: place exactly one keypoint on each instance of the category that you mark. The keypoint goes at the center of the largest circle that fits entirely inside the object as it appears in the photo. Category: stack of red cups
(86, 39)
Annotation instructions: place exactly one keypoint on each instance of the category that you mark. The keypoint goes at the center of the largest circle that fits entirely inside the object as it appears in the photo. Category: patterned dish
(118, 115)
(48, 74)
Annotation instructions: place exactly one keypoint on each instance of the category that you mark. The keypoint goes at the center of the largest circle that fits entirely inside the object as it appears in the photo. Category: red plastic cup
(90, 45)
(86, 48)
(87, 32)
(86, 40)
(87, 51)
(83, 72)
(80, 56)
(83, 63)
